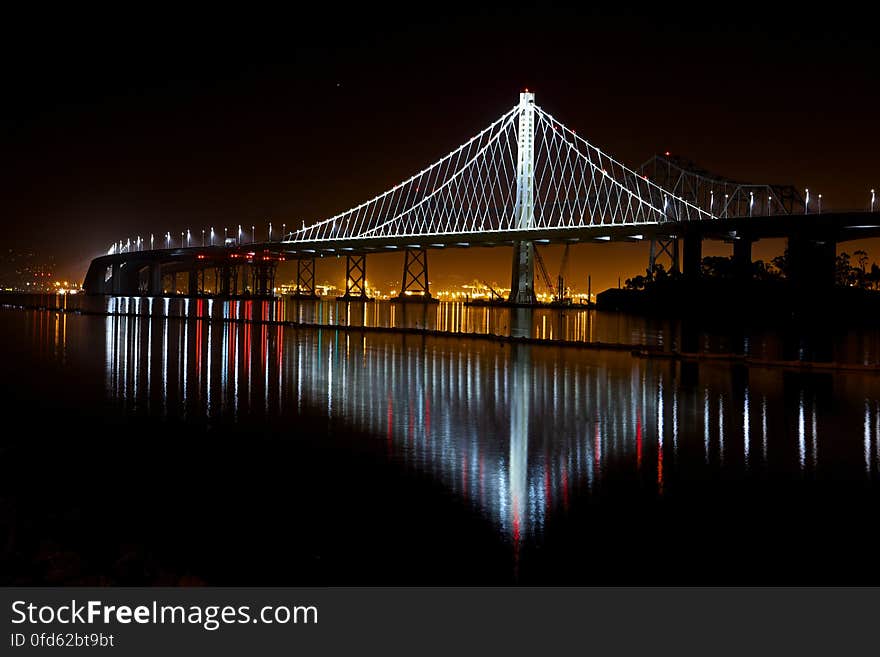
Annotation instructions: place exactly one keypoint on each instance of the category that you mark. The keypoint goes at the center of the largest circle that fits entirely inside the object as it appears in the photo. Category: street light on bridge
(168, 240)
(188, 238)
(253, 234)
(872, 200)
(283, 230)
(151, 241)
(239, 233)
(203, 237)
(270, 231)
(212, 236)
(820, 204)
(751, 202)
(807, 202)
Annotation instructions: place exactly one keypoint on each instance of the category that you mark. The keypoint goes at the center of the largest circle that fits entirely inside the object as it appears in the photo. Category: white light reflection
(330, 377)
(437, 405)
(802, 444)
(746, 428)
(867, 437)
(185, 350)
(675, 423)
(877, 430)
(660, 434)
(764, 426)
(814, 434)
(706, 423)
(165, 361)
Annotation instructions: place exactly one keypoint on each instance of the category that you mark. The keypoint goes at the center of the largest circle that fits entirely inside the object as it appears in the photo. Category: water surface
(160, 449)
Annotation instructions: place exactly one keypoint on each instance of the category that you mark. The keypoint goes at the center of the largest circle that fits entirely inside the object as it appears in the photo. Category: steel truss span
(718, 195)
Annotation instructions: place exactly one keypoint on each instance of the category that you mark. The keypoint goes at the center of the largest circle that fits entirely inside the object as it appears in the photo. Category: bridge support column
(355, 278)
(811, 263)
(742, 258)
(116, 279)
(305, 279)
(693, 256)
(522, 280)
(226, 284)
(414, 283)
(192, 288)
(154, 285)
(661, 247)
(263, 272)
(97, 277)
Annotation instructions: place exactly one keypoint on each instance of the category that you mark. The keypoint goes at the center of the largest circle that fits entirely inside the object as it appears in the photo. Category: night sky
(115, 125)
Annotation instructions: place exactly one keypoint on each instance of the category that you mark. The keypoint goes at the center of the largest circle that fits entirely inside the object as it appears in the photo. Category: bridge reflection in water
(520, 432)
(792, 341)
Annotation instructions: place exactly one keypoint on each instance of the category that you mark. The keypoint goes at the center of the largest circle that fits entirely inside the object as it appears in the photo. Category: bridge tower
(355, 278)
(664, 247)
(228, 275)
(414, 284)
(263, 274)
(522, 284)
(305, 278)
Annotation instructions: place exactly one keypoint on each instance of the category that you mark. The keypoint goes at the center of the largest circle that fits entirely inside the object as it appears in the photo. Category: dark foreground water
(164, 450)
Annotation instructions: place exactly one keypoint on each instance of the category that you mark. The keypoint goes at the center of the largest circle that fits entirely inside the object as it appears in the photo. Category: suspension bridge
(524, 180)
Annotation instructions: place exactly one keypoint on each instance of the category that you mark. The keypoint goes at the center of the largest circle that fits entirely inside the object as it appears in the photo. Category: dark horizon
(113, 130)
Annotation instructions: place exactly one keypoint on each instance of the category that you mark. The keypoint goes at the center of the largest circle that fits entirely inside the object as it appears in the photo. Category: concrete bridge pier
(811, 263)
(522, 280)
(192, 286)
(693, 255)
(414, 282)
(154, 282)
(116, 278)
(263, 276)
(96, 281)
(742, 258)
(226, 284)
(355, 279)
(125, 278)
(305, 279)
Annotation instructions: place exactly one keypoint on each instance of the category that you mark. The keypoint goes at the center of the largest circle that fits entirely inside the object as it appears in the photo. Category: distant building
(24, 270)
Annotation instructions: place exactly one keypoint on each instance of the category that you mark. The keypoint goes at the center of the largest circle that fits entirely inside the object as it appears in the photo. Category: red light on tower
(666, 153)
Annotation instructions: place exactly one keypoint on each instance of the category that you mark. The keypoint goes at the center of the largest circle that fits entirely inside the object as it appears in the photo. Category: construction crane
(543, 270)
(560, 296)
(557, 292)
(495, 293)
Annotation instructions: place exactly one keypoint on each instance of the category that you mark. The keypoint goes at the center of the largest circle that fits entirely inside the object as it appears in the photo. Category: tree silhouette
(720, 267)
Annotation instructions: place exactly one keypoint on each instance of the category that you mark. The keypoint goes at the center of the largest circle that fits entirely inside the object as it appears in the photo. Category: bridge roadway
(812, 241)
